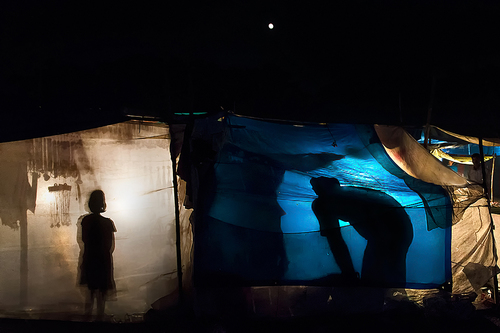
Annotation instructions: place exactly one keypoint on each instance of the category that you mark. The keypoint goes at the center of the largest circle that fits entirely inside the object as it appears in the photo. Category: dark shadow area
(378, 218)
(452, 317)
(241, 187)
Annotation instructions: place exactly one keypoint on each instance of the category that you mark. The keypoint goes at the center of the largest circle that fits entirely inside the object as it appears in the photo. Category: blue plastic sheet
(259, 227)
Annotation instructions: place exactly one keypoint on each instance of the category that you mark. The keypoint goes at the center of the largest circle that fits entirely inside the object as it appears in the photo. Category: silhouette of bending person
(378, 218)
(97, 262)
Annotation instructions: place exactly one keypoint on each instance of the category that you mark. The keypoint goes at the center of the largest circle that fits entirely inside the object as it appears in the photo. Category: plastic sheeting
(44, 187)
(474, 262)
(474, 140)
(256, 226)
(474, 257)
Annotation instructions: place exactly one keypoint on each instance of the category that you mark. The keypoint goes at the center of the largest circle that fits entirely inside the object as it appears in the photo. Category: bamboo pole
(491, 178)
(23, 264)
(177, 223)
(429, 112)
(492, 225)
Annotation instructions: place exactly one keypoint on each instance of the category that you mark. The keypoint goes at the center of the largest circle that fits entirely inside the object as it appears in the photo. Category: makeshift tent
(406, 219)
(44, 189)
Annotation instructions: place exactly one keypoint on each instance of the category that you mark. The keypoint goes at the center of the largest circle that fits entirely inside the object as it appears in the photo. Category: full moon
(271, 25)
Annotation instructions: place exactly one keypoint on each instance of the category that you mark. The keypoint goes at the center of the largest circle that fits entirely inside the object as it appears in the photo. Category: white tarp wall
(39, 248)
(473, 254)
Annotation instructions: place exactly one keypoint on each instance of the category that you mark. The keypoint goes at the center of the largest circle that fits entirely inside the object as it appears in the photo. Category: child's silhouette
(97, 262)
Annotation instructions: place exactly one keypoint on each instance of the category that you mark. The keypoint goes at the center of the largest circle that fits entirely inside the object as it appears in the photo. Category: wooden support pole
(177, 224)
(492, 225)
(23, 264)
(429, 112)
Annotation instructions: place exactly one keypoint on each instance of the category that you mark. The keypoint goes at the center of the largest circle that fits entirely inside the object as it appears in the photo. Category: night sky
(343, 61)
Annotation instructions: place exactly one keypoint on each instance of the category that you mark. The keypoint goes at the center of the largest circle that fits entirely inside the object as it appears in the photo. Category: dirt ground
(396, 321)
(416, 311)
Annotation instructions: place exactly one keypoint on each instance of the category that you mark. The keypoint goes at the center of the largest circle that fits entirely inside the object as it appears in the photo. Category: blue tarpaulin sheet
(376, 225)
